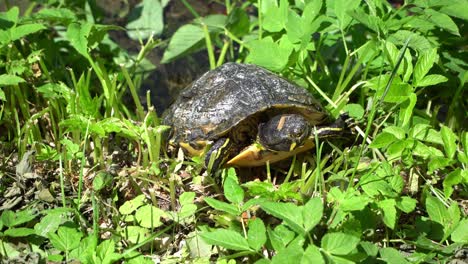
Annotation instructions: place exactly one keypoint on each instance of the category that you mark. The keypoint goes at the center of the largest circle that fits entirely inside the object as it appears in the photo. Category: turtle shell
(231, 96)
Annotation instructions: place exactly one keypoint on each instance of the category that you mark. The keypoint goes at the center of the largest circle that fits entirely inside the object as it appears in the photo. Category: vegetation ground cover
(85, 175)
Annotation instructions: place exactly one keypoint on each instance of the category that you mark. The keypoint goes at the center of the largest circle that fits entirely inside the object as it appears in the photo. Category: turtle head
(284, 132)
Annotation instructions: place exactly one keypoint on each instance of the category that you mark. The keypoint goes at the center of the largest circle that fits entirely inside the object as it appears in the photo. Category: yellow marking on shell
(191, 150)
(255, 155)
(281, 123)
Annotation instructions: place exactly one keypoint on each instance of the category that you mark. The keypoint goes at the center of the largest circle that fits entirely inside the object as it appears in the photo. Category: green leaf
(54, 90)
(392, 256)
(135, 234)
(449, 138)
(280, 236)
(232, 190)
(452, 179)
(8, 79)
(11, 219)
(186, 198)
(372, 22)
(187, 39)
(288, 212)
(312, 10)
(424, 64)
(102, 180)
(2, 95)
(312, 255)
(77, 34)
(352, 202)
(130, 206)
(238, 22)
(257, 234)
(261, 54)
(48, 224)
(369, 248)
(417, 42)
(355, 111)
(275, 17)
(63, 15)
(443, 21)
(289, 255)
(312, 213)
(456, 8)
(431, 79)
(406, 111)
(146, 19)
(382, 140)
(11, 16)
(406, 204)
(106, 252)
(149, 216)
(339, 243)
(24, 30)
(19, 232)
(398, 92)
(459, 234)
(398, 132)
(222, 206)
(66, 239)
(341, 8)
(226, 238)
(388, 211)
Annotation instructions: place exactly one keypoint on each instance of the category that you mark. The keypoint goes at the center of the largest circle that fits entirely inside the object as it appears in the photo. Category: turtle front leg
(218, 154)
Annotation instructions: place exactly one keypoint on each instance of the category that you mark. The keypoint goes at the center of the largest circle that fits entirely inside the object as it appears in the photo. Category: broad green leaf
(438, 162)
(406, 204)
(459, 234)
(406, 111)
(312, 213)
(372, 22)
(187, 39)
(443, 21)
(11, 219)
(280, 237)
(436, 210)
(382, 140)
(135, 234)
(398, 92)
(370, 248)
(288, 255)
(63, 15)
(102, 180)
(222, 206)
(186, 198)
(256, 235)
(290, 213)
(232, 190)
(449, 138)
(431, 79)
(19, 232)
(23, 30)
(146, 20)
(398, 132)
(424, 64)
(11, 16)
(392, 256)
(130, 206)
(339, 243)
(417, 42)
(226, 238)
(312, 255)
(276, 16)
(238, 22)
(388, 212)
(2, 95)
(106, 252)
(77, 34)
(457, 8)
(54, 90)
(149, 216)
(261, 54)
(341, 8)
(312, 10)
(354, 110)
(452, 179)
(66, 239)
(48, 224)
(8, 79)
(354, 203)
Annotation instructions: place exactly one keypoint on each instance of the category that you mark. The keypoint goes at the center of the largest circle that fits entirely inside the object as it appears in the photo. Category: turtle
(244, 115)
